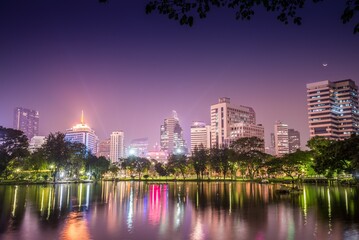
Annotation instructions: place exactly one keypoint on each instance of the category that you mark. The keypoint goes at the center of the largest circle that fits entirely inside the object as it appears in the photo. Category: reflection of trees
(171, 206)
(12, 207)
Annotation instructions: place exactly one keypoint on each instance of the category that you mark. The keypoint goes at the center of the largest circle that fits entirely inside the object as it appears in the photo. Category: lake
(177, 210)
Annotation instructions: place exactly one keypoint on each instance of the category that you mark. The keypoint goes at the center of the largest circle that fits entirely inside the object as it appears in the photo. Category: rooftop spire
(82, 117)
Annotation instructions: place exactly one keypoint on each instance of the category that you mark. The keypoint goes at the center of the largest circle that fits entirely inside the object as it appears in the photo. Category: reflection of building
(104, 148)
(333, 109)
(293, 140)
(36, 142)
(229, 122)
(171, 138)
(157, 154)
(27, 121)
(117, 148)
(82, 133)
(281, 138)
(200, 135)
(138, 147)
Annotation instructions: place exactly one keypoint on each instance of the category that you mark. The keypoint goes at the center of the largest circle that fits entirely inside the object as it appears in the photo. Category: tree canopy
(186, 11)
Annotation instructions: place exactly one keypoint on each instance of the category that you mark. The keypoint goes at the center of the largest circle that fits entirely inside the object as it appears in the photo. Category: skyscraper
(293, 140)
(171, 138)
(82, 133)
(333, 109)
(117, 147)
(229, 122)
(281, 138)
(200, 135)
(104, 148)
(26, 120)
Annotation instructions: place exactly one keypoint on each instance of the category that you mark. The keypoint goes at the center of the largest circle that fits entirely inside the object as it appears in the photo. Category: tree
(199, 160)
(185, 11)
(215, 160)
(250, 155)
(161, 169)
(96, 166)
(178, 164)
(136, 164)
(224, 159)
(13, 145)
(329, 156)
(56, 151)
(293, 165)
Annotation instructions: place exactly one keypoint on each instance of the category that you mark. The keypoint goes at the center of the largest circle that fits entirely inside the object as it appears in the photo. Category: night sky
(128, 70)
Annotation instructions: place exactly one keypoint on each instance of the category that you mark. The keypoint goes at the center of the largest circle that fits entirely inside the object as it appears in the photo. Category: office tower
(293, 140)
(138, 147)
(117, 147)
(333, 109)
(230, 122)
(200, 135)
(171, 139)
(82, 133)
(281, 138)
(104, 148)
(26, 120)
(36, 142)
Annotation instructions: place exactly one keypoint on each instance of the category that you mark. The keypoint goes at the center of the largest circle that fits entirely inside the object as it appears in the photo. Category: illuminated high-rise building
(82, 133)
(333, 109)
(200, 135)
(171, 138)
(230, 122)
(104, 148)
(293, 140)
(281, 138)
(26, 120)
(117, 146)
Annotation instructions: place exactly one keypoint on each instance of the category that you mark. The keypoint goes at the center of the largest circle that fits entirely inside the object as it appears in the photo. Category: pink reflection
(157, 197)
(75, 227)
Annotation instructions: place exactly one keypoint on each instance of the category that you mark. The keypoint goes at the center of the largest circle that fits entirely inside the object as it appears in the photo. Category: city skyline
(131, 76)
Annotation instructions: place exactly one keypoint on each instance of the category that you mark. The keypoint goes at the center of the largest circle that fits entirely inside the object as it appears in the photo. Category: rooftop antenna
(82, 117)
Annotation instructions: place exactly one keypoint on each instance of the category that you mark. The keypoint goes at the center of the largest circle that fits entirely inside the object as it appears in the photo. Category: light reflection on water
(134, 210)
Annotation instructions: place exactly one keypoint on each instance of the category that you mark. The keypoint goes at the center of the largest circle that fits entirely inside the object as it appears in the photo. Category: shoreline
(347, 182)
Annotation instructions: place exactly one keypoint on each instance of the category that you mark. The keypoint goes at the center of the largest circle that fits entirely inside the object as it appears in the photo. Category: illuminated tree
(13, 146)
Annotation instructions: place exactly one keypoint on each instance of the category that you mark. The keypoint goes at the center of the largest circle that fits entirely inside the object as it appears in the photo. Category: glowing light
(14, 205)
(132, 151)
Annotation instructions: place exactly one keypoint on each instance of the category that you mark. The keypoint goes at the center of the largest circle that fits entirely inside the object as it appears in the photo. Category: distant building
(36, 142)
(157, 154)
(293, 140)
(281, 138)
(200, 135)
(104, 148)
(271, 148)
(117, 147)
(241, 130)
(82, 133)
(230, 122)
(171, 138)
(138, 147)
(333, 109)
(26, 120)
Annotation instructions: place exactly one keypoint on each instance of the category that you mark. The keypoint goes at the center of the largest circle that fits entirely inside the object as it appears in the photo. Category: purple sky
(128, 70)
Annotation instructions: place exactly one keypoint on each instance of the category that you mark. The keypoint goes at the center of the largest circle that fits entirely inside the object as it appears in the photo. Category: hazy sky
(128, 70)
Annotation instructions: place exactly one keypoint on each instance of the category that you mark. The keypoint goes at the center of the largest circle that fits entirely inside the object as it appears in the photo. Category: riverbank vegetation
(58, 160)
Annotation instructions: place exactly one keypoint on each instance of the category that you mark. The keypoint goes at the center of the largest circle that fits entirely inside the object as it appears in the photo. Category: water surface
(138, 210)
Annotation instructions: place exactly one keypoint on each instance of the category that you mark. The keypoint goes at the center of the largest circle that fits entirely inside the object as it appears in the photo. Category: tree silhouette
(185, 11)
